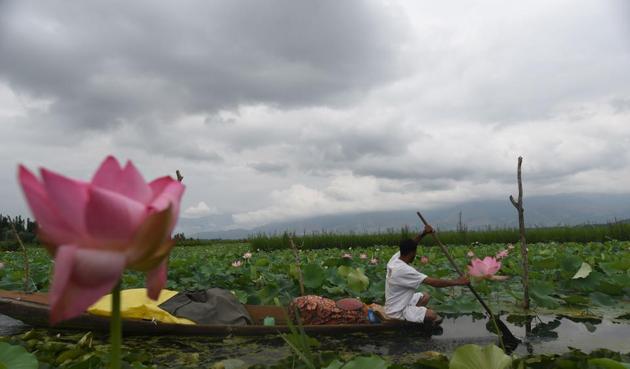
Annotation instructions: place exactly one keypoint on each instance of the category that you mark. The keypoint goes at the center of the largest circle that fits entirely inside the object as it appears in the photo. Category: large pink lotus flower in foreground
(485, 268)
(97, 229)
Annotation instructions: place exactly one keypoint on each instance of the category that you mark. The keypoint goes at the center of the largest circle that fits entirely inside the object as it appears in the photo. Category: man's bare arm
(427, 230)
(436, 282)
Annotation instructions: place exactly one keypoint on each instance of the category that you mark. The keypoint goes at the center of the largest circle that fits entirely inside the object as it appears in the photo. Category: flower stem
(115, 329)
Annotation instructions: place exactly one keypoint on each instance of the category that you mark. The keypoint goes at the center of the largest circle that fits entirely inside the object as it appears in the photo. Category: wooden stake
(297, 264)
(521, 226)
(27, 277)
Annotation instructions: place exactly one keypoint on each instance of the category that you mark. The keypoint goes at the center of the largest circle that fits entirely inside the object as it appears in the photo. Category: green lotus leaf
(583, 272)
(343, 271)
(268, 293)
(16, 357)
(541, 292)
(547, 263)
(293, 272)
(261, 262)
(477, 357)
(357, 280)
(612, 267)
(602, 299)
(609, 287)
(570, 263)
(314, 275)
(372, 362)
(576, 300)
(605, 363)
(336, 290)
(335, 364)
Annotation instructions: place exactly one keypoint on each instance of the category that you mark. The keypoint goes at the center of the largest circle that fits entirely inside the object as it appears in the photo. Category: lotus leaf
(570, 263)
(343, 271)
(477, 357)
(314, 275)
(583, 272)
(16, 357)
(602, 299)
(261, 262)
(372, 362)
(605, 363)
(357, 280)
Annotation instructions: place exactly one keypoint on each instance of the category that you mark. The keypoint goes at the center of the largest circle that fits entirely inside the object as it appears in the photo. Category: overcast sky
(274, 110)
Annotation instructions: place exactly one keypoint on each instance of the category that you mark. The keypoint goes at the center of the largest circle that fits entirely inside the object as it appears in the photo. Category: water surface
(547, 334)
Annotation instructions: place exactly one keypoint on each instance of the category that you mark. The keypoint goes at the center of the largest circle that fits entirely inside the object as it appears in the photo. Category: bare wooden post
(179, 175)
(27, 276)
(521, 226)
(297, 264)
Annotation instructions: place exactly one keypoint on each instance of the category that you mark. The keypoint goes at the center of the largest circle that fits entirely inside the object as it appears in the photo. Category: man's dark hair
(408, 246)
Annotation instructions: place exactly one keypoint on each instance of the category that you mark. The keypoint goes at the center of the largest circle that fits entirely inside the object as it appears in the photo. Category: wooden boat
(33, 309)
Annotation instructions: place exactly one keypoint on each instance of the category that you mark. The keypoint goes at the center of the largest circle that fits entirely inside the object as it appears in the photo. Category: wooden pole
(297, 264)
(521, 226)
(27, 277)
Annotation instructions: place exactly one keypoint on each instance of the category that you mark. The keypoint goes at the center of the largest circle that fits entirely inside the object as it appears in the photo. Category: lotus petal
(108, 174)
(133, 185)
(170, 197)
(69, 197)
(81, 277)
(151, 243)
(51, 227)
(112, 217)
(156, 280)
(159, 184)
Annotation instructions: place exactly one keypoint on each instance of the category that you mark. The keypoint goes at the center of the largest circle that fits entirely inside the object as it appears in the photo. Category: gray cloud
(621, 105)
(289, 108)
(268, 167)
(100, 65)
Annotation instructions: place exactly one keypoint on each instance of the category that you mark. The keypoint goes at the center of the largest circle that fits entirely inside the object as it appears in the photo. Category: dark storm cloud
(102, 63)
(165, 142)
(343, 148)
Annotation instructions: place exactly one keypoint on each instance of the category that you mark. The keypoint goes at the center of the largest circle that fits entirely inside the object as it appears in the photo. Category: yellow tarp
(135, 304)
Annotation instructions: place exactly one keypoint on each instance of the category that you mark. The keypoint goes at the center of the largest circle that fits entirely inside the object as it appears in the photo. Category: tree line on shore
(25, 228)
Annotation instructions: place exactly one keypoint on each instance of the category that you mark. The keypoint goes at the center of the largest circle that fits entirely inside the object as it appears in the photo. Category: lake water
(548, 334)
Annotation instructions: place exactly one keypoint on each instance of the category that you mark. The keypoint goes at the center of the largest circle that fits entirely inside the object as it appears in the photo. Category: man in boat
(401, 299)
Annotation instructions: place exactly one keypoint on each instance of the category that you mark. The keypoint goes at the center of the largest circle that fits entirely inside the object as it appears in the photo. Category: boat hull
(33, 309)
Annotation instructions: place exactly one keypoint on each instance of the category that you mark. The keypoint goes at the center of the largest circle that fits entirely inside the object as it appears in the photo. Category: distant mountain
(539, 211)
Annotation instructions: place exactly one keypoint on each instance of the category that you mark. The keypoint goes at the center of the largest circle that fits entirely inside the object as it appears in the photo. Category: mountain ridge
(540, 211)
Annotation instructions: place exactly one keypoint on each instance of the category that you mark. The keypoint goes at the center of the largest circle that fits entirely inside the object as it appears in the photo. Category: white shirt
(401, 283)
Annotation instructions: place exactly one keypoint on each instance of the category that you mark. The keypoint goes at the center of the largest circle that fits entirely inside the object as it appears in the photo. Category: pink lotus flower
(363, 256)
(470, 254)
(237, 263)
(502, 254)
(485, 268)
(424, 260)
(374, 261)
(510, 246)
(97, 229)
(346, 256)
(247, 255)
